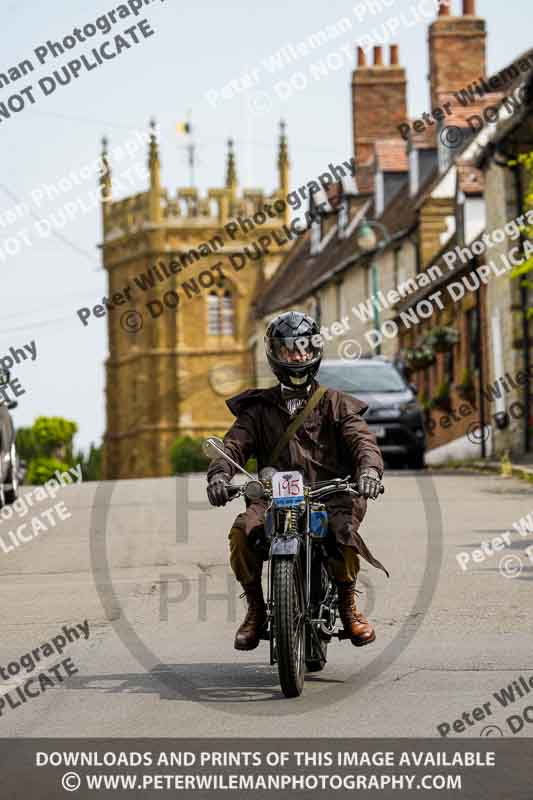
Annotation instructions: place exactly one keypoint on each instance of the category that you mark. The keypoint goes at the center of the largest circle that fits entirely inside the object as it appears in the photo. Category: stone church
(171, 364)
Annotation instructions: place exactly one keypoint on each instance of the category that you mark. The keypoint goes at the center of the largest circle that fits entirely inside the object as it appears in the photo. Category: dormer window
(414, 173)
(390, 170)
(316, 236)
(380, 193)
(342, 218)
(315, 198)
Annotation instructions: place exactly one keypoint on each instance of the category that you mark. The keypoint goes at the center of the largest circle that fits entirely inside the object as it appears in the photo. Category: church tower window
(220, 313)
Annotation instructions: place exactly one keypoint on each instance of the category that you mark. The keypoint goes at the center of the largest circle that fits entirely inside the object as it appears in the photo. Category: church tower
(179, 333)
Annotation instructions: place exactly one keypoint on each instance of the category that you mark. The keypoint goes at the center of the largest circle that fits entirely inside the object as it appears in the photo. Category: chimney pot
(469, 8)
(378, 57)
(361, 57)
(394, 56)
(444, 8)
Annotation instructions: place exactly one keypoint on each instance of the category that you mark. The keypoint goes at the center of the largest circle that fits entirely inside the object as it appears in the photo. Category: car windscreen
(351, 378)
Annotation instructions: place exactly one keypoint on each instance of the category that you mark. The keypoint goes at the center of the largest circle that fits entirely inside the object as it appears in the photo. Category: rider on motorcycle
(333, 441)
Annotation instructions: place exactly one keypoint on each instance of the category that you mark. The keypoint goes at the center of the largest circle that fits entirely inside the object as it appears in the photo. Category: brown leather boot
(355, 624)
(248, 635)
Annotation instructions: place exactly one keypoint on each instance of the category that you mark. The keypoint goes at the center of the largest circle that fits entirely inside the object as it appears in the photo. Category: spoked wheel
(289, 625)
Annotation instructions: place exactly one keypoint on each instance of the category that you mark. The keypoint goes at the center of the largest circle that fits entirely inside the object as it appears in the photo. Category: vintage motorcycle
(301, 597)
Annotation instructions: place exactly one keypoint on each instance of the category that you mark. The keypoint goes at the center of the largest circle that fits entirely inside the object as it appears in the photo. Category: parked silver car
(394, 415)
(9, 463)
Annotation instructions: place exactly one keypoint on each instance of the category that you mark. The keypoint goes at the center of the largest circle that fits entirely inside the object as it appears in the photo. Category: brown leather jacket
(334, 441)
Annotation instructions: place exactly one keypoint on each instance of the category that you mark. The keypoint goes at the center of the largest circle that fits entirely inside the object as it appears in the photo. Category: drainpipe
(517, 174)
(479, 347)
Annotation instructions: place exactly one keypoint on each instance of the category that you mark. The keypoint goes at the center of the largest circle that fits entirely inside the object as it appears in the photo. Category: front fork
(307, 565)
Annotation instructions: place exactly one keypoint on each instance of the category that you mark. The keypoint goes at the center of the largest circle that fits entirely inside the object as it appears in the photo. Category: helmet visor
(294, 351)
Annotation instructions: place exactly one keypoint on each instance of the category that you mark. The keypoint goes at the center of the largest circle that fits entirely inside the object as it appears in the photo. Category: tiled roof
(425, 139)
(461, 114)
(391, 155)
(301, 271)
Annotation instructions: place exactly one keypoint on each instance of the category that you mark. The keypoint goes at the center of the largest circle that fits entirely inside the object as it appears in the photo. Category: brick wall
(503, 299)
(378, 104)
(456, 53)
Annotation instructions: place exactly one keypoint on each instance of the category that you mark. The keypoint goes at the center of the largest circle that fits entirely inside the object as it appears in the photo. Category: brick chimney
(379, 101)
(456, 50)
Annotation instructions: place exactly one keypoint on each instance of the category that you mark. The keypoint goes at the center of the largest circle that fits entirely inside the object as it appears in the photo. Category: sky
(51, 264)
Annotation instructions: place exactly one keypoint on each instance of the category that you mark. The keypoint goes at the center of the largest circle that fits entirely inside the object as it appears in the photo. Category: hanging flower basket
(443, 339)
(419, 357)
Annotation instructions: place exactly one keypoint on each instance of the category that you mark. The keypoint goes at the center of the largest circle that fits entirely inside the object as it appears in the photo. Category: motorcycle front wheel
(289, 624)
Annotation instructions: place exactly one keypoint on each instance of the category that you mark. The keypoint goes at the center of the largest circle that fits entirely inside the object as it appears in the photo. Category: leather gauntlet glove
(369, 483)
(217, 489)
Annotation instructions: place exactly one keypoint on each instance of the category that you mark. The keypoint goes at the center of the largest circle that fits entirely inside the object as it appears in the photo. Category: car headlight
(409, 407)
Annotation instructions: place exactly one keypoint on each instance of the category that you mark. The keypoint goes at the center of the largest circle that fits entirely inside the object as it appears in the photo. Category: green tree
(91, 464)
(523, 271)
(186, 455)
(46, 447)
(26, 447)
(53, 437)
(42, 468)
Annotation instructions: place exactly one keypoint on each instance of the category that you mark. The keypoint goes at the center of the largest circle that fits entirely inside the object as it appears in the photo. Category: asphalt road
(159, 659)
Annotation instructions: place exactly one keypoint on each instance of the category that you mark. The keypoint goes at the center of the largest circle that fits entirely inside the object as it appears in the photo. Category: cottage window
(316, 235)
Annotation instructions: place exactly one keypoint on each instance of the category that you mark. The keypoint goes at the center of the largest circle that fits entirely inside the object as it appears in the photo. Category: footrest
(342, 634)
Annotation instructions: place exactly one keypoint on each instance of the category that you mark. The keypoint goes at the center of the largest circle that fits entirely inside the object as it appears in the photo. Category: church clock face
(226, 379)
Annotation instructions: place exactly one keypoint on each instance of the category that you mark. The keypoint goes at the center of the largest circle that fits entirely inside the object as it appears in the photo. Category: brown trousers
(247, 563)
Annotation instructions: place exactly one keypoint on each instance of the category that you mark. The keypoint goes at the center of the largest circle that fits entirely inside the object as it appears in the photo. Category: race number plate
(287, 488)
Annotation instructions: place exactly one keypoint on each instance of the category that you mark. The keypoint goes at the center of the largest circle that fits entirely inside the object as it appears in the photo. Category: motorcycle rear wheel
(289, 625)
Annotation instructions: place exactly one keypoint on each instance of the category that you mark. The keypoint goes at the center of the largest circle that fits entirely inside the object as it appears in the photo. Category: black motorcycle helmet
(294, 349)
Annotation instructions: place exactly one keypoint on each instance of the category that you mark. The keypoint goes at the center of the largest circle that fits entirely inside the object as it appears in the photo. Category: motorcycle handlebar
(323, 490)
(343, 487)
